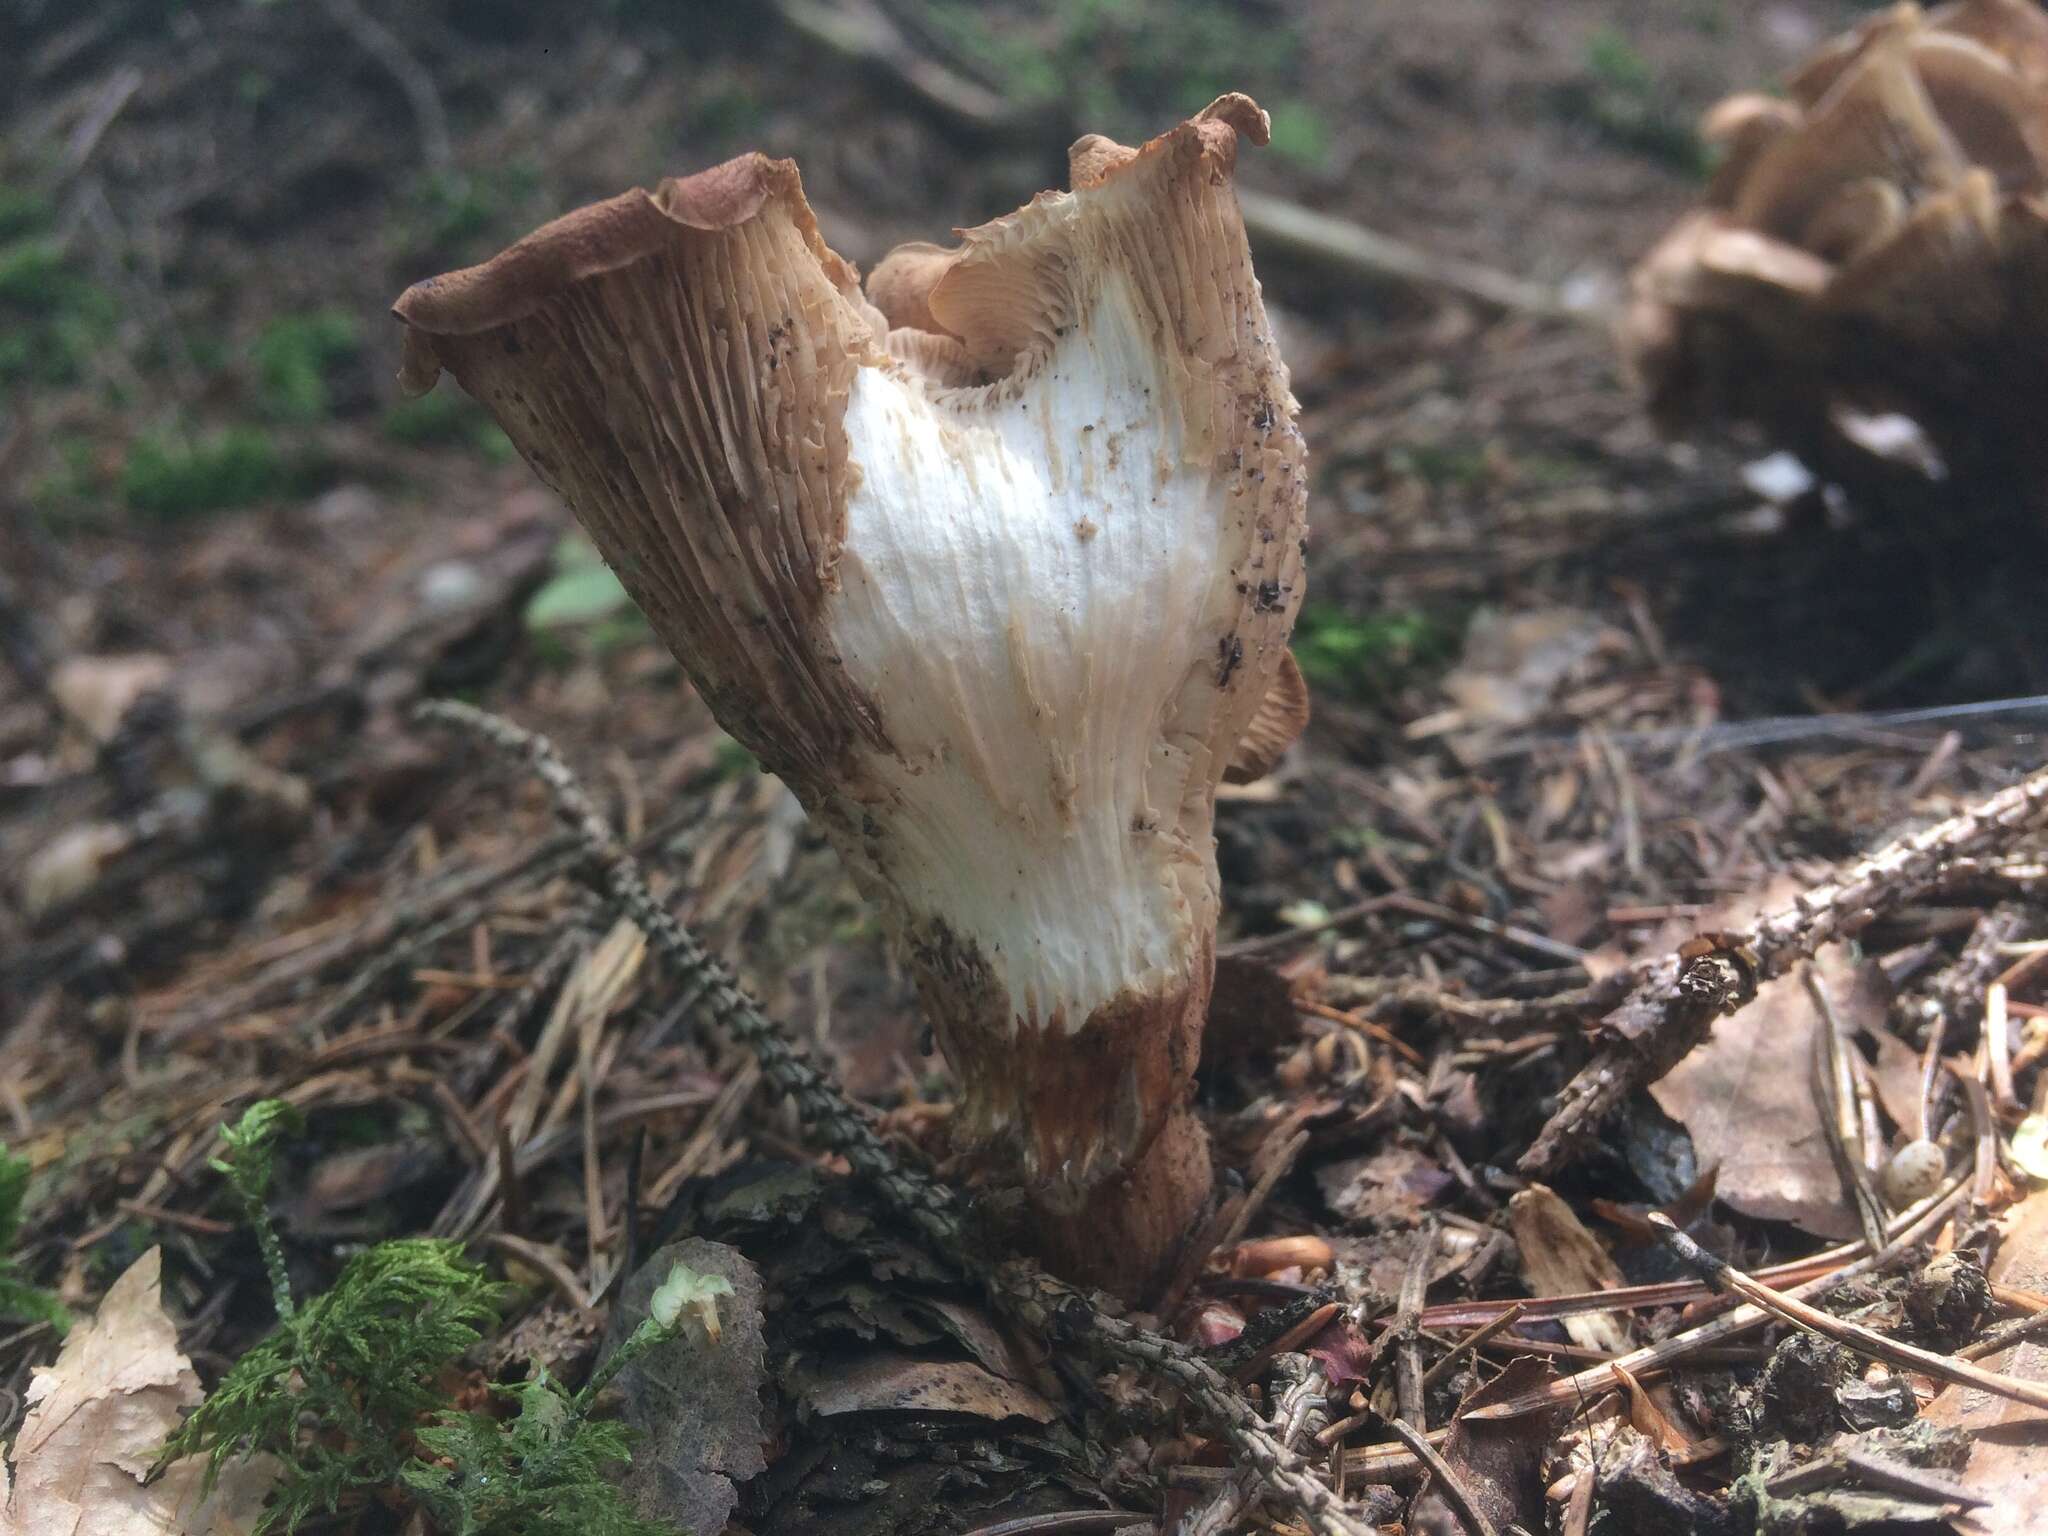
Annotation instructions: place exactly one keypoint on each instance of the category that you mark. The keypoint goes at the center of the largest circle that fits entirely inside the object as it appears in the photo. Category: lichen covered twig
(1671, 1011)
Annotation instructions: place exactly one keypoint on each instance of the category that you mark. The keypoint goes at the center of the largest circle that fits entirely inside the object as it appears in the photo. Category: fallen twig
(1470, 1342)
(1906, 1229)
(1461, 1499)
(413, 78)
(1292, 232)
(1671, 1012)
(1865, 1341)
(1407, 1327)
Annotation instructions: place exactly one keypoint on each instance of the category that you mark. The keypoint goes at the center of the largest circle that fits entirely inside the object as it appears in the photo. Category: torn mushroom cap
(998, 598)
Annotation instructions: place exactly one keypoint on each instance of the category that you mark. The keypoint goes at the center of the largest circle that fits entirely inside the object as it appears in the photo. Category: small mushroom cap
(1281, 718)
(901, 285)
(2015, 30)
(1948, 245)
(1860, 214)
(1828, 63)
(1998, 118)
(1875, 121)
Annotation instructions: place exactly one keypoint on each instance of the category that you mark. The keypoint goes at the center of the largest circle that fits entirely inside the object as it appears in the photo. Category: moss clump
(1370, 657)
(349, 1393)
(20, 1302)
(294, 357)
(168, 477)
(51, 318)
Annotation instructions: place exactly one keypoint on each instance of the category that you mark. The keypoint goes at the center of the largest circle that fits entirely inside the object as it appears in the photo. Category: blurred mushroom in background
(1867, 278)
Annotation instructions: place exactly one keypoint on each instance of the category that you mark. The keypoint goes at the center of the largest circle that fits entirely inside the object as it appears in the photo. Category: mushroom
(1874, 245)
(994, 564)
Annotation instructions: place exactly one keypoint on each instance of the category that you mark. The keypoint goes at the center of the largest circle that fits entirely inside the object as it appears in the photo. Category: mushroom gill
(1875, 245)
(995, 564)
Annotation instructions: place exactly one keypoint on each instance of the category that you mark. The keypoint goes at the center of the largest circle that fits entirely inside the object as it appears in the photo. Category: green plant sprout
(350, 1392)
(21, 1302)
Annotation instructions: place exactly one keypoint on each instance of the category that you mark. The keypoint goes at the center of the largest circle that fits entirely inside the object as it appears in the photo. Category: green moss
(1370, 656)
(347, 1393)
(446, 417)
(169, 477)
(1620, 95)
(1122, 65)
(1298, 134)
(51, 317)
(294, 356)
(451, 212)
(24, 211)
(733, 761)
(20, 1302)
(1451, 465)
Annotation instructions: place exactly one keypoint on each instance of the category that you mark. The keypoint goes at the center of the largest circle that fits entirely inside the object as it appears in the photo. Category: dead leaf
(899, 1384)
(1649, 1419)
(96, 1420)
(96, 691)
(1746, 1098)
(1392, 1186)
(2008, 1463)
(1896, 1077)
(695, 1403)
(1498, 1462)
(1561, 1258)
(1344, 1350)
(1514, 663)
(1384, 1257)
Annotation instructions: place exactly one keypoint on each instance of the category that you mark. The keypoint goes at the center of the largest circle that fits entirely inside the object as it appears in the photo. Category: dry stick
(1470, 1342)
(1998, 1049)
(1955, 1000)
(383, 45)
(2014, 1330)
(1834, 1097)
(1671, 1012)
(1874, 1471)
(1865, 1341)
(1030, 1295)
(1288, 230)
(1574, 1391)
(1408, 1330)
(1468, 1509)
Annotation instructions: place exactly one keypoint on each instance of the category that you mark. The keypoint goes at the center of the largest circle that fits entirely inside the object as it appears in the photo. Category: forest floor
(1566, 679)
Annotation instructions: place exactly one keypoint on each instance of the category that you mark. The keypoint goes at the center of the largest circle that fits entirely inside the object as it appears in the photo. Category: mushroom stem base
(1126, 1236)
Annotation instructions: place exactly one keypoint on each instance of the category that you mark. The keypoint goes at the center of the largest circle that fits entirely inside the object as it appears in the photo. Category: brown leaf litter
(96, 1420)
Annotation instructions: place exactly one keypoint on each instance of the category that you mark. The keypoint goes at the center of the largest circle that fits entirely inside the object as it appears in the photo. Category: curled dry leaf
(1561, 1258)
(96, 1420)
(1878, 244)
(1746, 1099)
(899, 1384)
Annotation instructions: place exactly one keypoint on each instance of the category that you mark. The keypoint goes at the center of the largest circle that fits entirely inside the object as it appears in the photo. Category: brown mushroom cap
(1281, 718)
